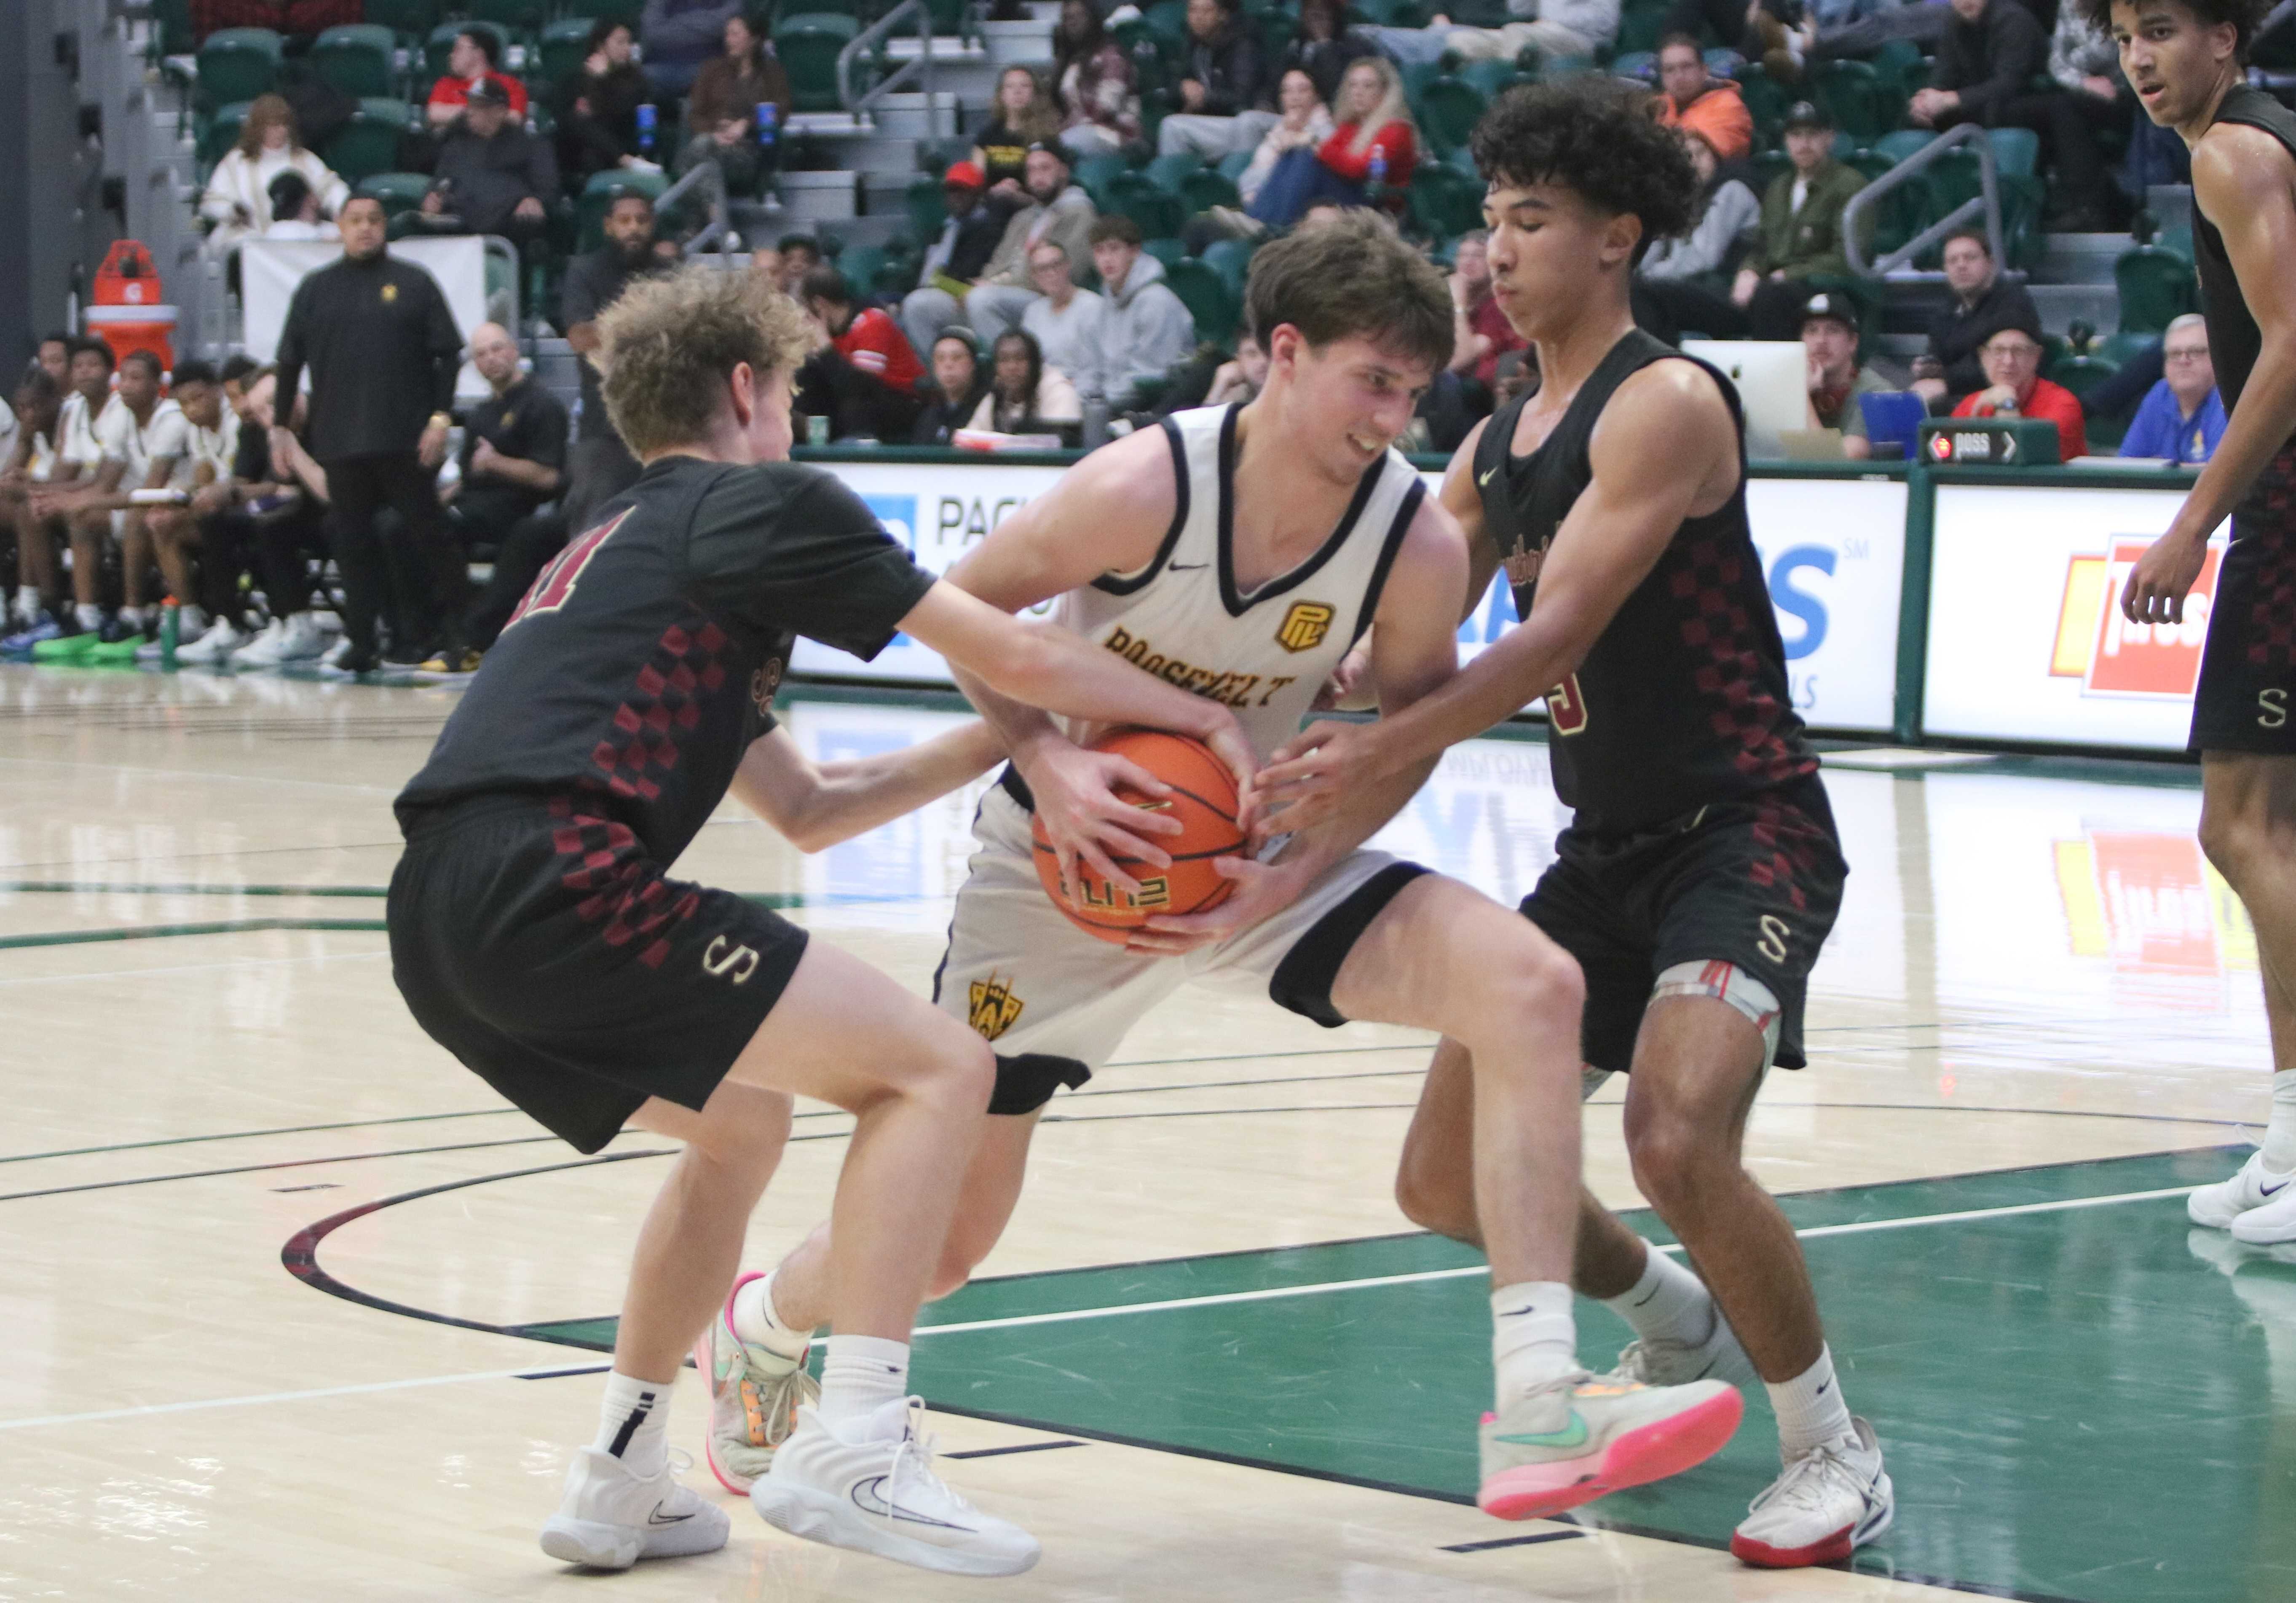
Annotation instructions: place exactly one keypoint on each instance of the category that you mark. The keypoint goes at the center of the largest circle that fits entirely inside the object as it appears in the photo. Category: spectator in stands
(800, 254)
(52, 357)
(2182, 419)
(1146, 329)
(1685, 283)
(1304, 123)
(1799, 238)
(680, 36)
(1991, 52)
(957, 392)
(513, 461)
(1323, 49)
(601, 466)
(36, 404)
(470, 63)
(723, 109)
(2013, 383)
(2092, 99)
(1224, 89)
(140, 437)
(1057, 210)
(862, 375)
(1367, 161)
(1063, 319)
(1239, 382)
(1736, 26)
(295, 213)
(493, 176)
(1857, 29)
(238, 197)
(1983, 304)
(1480, 334)
(383, 352)
(1564, 29)
(1023, 116)
(1100, 98)
(956, 259)
(1695, 101)
(1024, 390)
(597, 106)
(1829, 337)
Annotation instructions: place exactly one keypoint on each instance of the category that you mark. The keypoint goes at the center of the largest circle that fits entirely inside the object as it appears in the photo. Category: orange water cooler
(126, 312)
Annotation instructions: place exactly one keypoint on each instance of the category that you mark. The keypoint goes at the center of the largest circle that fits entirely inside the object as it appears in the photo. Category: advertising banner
(2026, 638)
(271, 268)
(1833, 552)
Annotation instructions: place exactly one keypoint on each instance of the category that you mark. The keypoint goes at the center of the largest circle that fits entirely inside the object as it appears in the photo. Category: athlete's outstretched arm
(1414, 648)
(1658, 455)
(816, 805)
(2246, 177)
(1465, 502)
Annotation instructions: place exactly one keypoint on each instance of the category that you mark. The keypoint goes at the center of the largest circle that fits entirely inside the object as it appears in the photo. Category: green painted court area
(2081, 1396)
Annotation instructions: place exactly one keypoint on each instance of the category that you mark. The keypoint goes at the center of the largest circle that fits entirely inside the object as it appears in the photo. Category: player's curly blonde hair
(666, 348)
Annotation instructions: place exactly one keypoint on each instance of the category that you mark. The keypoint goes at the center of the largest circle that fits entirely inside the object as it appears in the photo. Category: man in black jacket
(493, 177)
(1225, 96)
(383, 352)
(1983, 304)
(1991, 52)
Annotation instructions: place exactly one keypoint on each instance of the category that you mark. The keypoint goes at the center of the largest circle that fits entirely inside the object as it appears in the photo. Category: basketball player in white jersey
(1240, 552)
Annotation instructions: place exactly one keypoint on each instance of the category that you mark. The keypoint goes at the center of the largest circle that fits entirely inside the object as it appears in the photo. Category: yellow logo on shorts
(1305, 626)
(995, 1008)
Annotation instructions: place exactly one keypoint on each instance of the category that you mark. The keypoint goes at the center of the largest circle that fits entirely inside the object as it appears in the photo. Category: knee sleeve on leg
(1726, 983)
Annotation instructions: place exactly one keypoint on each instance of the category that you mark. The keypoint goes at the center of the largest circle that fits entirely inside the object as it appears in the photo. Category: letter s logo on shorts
(725, 960)
(2271, 709)
(1772, 943)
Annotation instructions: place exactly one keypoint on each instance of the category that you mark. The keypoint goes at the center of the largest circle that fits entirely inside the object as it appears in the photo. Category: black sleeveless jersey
(644, 661)
(1684, 700)
(2235, 340)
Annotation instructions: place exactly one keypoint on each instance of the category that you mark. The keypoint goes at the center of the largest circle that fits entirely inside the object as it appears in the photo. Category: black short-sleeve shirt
(644, 661)
(525, 421)
(593, 282)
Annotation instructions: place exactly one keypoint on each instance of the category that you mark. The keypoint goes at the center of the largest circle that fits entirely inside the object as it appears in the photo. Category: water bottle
(1095, 432)
(769, 115)
(1376, 175)
(171, 622)
(647, 115)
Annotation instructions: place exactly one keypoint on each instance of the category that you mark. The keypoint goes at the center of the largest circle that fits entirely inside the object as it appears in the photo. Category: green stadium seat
(1232, 165)
(220, 131)
(1490, 79)
(1445, 201)
(926, 206)
(2120, 349)
(2016, 151)
(411, 20)
(399, 192)
(1159, 213)
(1231, 259)
(590, 11)
(1204, 189)
(1166, 251)
(1903, 143)
(1767, 101)
(2156, 287)
(517, 17)
(565, 46)
(238, 64)
(173, 18)
(368, 143)
(1094, 173)
(1393, 13)
(808, 44)
(1448, 110)
(1863, 106)
(1166, 172)
(1206, 296)
(1640, 24)
(2178, 241)
(2081, 375)
(356, 59)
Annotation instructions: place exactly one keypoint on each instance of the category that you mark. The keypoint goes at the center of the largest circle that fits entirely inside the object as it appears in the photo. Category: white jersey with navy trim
(1264, 654)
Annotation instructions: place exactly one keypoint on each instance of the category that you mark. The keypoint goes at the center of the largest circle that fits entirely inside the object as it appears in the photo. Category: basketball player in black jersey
(536, 933)
(1700, 871)
(2184, 59)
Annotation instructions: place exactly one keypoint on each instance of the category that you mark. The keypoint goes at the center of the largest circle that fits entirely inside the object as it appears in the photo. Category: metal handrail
(864, 105)
(1987, 202)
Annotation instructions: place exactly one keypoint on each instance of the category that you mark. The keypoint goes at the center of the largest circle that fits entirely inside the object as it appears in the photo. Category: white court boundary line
(1017, 1321)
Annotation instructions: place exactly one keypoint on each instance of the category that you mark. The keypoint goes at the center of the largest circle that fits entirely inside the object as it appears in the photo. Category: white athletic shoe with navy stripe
(880, 1495)
(1831, 1501)
(2255, 1185)
(610, 1519)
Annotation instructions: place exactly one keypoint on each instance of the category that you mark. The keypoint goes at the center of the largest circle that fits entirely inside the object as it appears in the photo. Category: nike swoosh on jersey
(866, 1499)
(1573, 1435)
(1486, 477)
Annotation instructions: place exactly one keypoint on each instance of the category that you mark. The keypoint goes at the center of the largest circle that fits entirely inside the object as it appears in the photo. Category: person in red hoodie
(2012, 359)
(863, 374)
(1367, 161)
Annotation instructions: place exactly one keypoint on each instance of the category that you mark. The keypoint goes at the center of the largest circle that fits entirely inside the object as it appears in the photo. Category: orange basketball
(1204, 799)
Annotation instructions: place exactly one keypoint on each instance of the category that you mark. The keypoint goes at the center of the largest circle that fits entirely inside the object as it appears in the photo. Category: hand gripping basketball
(1197, 793)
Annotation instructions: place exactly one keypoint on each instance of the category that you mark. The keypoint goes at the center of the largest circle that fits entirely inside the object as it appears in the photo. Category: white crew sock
(2280, 1134)
(759, 1323)
(28, 601)
(633, 1423)
(1534, 1338)
(132, 616)
(1667, 1305)
(859, 1375)
(1809, 1407)
(88, 617)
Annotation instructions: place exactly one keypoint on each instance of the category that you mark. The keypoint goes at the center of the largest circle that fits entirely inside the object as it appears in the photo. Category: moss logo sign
(2096, 644)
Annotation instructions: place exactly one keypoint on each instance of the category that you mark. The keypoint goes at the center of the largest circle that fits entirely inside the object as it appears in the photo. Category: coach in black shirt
(514, 462)
(601, 466)
(383, 353)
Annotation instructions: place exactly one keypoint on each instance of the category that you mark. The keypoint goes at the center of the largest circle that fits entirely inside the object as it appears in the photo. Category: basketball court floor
(291, 1308)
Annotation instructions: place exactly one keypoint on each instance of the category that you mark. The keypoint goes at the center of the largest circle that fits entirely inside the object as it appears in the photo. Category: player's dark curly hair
(1593, 135)
(2246, 16)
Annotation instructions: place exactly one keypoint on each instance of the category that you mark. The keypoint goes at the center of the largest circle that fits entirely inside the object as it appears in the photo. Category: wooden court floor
(289, 1309)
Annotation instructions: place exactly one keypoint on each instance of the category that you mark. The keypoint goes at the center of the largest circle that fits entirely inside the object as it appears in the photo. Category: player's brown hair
(669, 346)
(1350, 276)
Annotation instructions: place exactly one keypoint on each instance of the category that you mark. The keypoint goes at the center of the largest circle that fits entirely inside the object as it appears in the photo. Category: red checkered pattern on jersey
(2267, 516)
(1793, 844)
(1712, 582)
(684, 667)
(628, 893)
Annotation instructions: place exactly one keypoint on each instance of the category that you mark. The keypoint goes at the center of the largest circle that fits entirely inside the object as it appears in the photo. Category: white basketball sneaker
(1575, 1440)
(1829, 1501)
(2272, 1220)
(1655, 1361)
(880, 1495)
(2218, 1205)
(754, 1396)
(610, 1519)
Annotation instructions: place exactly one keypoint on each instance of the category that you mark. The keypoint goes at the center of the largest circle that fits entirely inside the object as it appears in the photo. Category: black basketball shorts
(1754, 882)
(537, 941)
(2246, 698)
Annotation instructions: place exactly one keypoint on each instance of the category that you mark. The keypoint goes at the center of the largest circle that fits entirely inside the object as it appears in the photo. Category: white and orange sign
(2110, 656)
